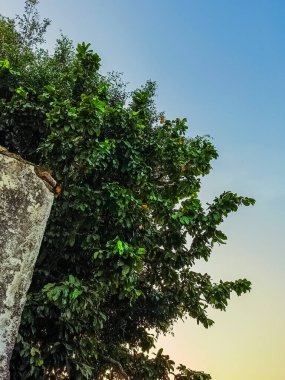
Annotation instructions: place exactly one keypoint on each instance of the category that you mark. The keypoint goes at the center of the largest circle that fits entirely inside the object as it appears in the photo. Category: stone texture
(25, 204)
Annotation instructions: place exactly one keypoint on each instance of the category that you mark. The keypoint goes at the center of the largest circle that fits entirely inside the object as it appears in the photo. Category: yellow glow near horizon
(247, 342)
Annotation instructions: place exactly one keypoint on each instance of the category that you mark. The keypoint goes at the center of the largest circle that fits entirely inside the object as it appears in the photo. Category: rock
(25, 204)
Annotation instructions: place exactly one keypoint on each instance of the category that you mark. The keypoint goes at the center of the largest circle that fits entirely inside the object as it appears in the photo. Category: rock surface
(25, 204)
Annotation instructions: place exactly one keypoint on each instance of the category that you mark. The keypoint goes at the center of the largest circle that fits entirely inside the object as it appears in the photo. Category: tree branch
(118, 365)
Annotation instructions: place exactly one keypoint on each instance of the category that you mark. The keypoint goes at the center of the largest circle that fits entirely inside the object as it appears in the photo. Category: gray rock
(25, 204)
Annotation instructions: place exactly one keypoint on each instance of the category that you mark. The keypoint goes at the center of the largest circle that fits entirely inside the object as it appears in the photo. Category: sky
(221, 64)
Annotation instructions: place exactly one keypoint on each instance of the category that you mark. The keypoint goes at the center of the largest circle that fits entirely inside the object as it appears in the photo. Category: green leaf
(120, 247)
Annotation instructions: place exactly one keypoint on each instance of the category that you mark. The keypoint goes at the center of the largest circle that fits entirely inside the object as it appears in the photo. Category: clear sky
(221, 64)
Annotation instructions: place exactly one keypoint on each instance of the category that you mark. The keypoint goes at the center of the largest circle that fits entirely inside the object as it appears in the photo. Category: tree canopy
(115, 266)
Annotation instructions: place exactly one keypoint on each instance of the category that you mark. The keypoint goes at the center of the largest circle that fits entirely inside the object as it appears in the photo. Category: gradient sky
(221, 64)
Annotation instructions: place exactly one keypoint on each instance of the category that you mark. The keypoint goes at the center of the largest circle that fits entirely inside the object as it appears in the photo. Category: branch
(118, 365)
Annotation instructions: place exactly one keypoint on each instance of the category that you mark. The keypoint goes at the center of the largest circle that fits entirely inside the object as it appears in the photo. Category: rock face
(25, 204)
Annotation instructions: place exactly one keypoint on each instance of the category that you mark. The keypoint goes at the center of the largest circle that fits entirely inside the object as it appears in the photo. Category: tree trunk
(25, 204)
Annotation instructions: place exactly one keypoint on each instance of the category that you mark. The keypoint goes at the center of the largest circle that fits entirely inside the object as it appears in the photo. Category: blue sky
(221, 64)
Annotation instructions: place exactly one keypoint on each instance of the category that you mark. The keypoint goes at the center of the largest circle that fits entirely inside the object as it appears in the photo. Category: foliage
(31, 29)
(115, 266)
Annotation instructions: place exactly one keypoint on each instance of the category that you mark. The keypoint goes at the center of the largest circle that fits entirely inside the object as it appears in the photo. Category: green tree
(115, 266)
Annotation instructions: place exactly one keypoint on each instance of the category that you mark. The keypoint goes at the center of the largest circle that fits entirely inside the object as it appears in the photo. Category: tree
(115, 266)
